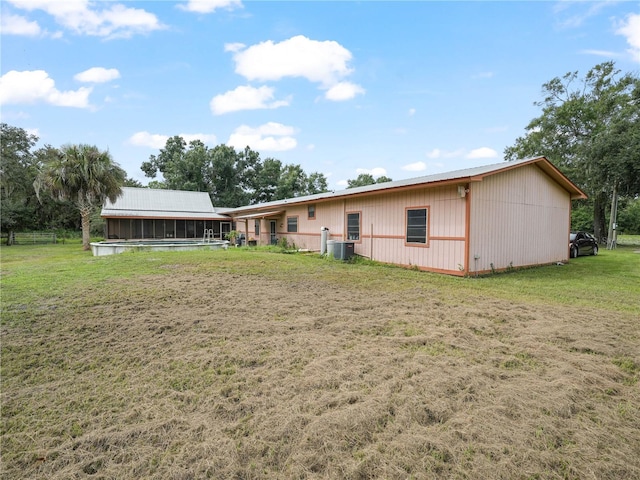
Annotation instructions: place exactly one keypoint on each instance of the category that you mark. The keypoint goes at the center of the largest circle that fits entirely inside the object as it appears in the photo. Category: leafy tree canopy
(366, 179)
(83, 175)
(232, 178)
(590, 128)
(17, 171)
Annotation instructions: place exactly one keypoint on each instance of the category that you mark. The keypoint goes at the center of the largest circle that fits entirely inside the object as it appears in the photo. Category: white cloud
(234, 47)
(79, 16)
(437, 153)
(415, 167)
(158, 141)
(97, 75)
(324, 62)
(209, 139)
(585, 11)
(482, 152)
(374, 172)
(146, 139)
(412, 112)
(17, 25)
(271, 136)
(36, 86)
(631, 31)
(600, 53)
(343, 91)
(209, 6)
(245, 98)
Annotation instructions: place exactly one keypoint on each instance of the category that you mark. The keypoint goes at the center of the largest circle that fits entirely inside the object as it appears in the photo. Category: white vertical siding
(518, 218)
(385, 215)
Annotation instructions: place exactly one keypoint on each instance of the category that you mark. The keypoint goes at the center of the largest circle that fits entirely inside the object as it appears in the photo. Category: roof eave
(542, 162)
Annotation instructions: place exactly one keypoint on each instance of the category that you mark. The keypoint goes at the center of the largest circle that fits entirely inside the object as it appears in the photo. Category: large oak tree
(232, 178)
(590, 128)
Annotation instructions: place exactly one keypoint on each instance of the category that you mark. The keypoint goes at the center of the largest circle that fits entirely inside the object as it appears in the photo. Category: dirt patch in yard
(222, 375)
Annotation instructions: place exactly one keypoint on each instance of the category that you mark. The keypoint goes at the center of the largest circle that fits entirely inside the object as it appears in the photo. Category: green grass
(629, 240)
(248, 363)
(610, 281)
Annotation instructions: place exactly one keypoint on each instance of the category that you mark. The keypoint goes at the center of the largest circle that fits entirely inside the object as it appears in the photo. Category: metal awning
(273, 213)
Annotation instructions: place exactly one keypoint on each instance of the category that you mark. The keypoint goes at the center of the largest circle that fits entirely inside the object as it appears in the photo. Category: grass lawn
(252, 364)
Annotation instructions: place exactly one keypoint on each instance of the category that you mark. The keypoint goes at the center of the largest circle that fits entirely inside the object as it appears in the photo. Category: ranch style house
(476, 220)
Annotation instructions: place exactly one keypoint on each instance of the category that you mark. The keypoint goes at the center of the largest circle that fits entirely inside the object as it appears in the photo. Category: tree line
(235, 178)
(589, 128)
(64, 188)
(232, 178)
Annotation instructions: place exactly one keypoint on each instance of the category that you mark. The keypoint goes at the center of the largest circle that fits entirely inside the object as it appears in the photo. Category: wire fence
(31, 238)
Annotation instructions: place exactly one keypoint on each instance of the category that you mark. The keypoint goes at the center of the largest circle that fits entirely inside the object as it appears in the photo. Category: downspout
(467, 228)
(344, 220)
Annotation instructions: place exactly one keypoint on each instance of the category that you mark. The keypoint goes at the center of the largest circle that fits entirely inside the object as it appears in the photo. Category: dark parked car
(582, 243)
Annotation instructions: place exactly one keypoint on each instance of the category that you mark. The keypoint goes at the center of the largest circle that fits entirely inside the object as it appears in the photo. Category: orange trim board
(454, 239)
(379, 237)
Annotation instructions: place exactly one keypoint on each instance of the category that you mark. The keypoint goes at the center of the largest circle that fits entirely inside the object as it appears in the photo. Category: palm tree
(83, 175)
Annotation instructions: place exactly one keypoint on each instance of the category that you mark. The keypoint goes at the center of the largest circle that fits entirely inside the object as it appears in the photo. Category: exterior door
(272, 232)
(225, 228)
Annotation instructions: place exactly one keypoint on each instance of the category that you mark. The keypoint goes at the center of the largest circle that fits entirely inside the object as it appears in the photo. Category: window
(417, 225)
(292, 224)
(353, 226)
(257, 228)
(311, 212)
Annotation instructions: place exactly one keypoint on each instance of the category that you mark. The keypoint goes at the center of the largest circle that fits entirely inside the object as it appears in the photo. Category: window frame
(256, 228)
(359, 213)
(311, 211)
(427, 209)
(289, 224)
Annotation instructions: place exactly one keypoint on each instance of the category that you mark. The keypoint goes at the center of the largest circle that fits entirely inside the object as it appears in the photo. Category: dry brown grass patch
(212, 374)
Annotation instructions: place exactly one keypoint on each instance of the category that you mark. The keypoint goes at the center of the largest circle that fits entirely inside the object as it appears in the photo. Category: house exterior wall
(513, 217)
(519, 217)
(383, 227)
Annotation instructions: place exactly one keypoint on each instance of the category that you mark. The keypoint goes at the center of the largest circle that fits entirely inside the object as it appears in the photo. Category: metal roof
(158, 203)
(465, 175)
(273, 213)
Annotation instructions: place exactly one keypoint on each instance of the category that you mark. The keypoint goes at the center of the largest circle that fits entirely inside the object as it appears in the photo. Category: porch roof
(158, 203)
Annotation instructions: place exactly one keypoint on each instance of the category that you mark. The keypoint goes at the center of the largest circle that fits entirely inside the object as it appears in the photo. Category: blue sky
(401, 89)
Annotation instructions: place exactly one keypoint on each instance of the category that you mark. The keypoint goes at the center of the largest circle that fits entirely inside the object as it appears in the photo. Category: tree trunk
(599, 228)
(85, 214)
(611, 236)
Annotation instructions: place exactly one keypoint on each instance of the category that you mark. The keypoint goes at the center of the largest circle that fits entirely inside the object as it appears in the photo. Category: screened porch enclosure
(160, 228)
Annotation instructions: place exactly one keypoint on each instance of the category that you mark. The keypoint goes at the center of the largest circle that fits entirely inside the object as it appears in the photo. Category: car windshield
(572, 237)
